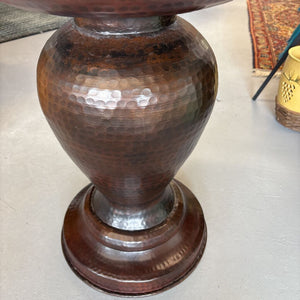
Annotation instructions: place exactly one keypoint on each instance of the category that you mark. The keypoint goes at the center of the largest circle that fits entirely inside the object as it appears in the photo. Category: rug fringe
(264, 73)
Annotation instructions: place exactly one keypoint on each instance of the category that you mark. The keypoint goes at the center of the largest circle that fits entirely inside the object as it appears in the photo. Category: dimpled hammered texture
(128, 99)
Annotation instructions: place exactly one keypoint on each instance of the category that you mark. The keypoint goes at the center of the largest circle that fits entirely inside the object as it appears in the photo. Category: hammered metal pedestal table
(127, 87)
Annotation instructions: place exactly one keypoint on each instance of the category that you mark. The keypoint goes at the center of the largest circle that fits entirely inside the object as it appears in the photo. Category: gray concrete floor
(245, 172)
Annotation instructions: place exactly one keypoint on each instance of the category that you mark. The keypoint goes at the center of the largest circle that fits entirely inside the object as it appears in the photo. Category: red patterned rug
(272, 22)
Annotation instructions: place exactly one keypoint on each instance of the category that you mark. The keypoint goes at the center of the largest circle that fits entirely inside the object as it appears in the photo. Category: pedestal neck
(136, 217)
(122, 26)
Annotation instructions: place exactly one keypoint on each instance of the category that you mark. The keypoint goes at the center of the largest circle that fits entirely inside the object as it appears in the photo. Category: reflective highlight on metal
(139, 263)
(127, 88)
(129, 107)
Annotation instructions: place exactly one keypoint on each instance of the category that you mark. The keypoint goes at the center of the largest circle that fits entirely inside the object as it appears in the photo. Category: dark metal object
(129, 109)
(134, 263)
(128, 99)
(96, 8)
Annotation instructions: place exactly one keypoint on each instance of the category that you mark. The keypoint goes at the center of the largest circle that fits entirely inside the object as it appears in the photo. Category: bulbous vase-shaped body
(128, 99)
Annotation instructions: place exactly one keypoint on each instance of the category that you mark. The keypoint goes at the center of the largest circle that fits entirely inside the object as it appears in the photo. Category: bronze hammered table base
(134, 263)
(127, 88)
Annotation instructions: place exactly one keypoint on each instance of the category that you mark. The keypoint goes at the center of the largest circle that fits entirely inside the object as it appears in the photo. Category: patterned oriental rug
(272, 22)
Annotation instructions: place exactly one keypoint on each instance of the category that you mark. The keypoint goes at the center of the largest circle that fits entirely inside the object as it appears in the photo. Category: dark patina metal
(92, 8)
(128, 98)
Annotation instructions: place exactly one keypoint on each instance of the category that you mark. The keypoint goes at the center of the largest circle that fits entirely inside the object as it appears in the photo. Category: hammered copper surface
(90, 8)
(128, 99)
(134, 263)
(128, 109)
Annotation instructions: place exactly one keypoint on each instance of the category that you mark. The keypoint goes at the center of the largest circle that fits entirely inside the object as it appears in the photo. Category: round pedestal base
(134, 263)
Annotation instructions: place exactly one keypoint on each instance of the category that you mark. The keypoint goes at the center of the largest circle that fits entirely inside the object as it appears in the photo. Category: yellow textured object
(289, 85)
(288, 97)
